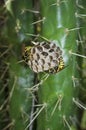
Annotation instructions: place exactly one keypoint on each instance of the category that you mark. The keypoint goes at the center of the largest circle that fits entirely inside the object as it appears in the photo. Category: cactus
(18, 98)
(48, 100)
(81, 16)
(58, 92)
(3, 71)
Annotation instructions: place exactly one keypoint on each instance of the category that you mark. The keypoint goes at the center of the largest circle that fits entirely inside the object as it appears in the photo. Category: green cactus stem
(21, 78)
(59, 91)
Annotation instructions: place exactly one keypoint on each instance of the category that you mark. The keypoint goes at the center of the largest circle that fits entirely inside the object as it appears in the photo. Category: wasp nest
(44, 57)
